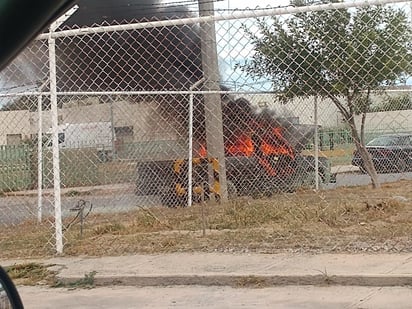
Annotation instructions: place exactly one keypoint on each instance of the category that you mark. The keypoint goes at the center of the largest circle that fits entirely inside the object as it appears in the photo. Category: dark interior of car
(22, 20)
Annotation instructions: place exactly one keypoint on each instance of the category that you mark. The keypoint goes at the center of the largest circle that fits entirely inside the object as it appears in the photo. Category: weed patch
(87, 282)
(32, 274)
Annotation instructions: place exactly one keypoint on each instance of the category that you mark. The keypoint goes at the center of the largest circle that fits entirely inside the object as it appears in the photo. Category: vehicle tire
(169, 197)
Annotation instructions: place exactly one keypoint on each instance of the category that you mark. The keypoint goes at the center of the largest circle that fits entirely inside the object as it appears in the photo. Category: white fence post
(190, 166)
(55, 147)
(40, 159)
(316, 146)
(55, 129)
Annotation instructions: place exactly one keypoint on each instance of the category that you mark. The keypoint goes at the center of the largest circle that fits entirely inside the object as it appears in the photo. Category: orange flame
(202, 151)
(276, 144)
(271, 144)
(243, 146)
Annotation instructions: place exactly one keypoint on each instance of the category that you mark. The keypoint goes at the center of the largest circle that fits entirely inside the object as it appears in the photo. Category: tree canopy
(332, 53)
(340, 54)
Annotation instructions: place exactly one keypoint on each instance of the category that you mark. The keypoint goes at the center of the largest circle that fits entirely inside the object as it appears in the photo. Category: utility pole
(213, 105)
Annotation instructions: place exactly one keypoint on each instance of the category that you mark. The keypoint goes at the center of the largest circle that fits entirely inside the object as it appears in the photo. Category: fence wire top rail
(211, 18)
(152, 92)
(143, 92)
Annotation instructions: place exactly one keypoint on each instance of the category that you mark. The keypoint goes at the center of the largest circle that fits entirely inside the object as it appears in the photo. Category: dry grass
(345, 219)
(32, 274)
(40, 274)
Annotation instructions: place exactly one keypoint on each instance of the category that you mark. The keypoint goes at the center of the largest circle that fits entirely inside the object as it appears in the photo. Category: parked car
(390, 153)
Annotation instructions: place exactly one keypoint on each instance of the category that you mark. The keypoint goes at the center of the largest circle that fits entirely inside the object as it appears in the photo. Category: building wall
(393, 121)
(329, 115)
(301, 108)
(14, 122)
(145, 118)
(148, 123)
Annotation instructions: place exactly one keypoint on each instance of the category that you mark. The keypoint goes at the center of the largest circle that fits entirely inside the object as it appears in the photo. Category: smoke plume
(166, 58)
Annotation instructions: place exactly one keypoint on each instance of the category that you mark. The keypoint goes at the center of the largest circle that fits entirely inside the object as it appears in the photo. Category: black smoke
(97, 12)
(166, 58)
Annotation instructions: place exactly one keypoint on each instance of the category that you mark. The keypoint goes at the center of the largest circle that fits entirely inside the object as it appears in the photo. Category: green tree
(338, 54)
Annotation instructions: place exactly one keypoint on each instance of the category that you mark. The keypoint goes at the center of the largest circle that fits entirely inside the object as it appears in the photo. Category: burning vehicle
(263, 153)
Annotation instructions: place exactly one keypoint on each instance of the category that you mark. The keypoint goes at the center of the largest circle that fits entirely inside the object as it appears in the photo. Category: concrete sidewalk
(217, 269)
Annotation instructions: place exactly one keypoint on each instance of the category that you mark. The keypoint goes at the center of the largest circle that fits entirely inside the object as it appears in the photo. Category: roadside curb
(246, 280)
(228, 269)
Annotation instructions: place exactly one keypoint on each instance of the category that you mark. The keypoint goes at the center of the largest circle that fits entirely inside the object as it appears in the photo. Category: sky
(233, 47)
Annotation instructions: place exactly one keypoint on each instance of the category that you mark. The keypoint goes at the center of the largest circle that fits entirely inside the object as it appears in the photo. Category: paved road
(15, 209)
(19, 208)
(308, 297)
(358, 179)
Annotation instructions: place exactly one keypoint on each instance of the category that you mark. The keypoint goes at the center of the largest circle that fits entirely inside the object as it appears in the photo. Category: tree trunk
(364, 154)
(349, 116)
(369, 166)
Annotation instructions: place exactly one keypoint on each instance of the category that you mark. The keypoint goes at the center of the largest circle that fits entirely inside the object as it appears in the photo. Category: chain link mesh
(297, 97)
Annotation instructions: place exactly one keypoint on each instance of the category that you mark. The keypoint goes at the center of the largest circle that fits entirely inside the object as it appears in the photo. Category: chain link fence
(251, 119)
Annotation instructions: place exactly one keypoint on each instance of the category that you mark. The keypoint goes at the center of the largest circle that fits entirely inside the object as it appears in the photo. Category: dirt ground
(352, 219)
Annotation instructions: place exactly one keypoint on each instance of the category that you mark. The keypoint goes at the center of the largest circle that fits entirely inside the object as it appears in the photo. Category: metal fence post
(55, 144)
(55, 129)
(190, 163)
(316, 146)
(39, 159)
